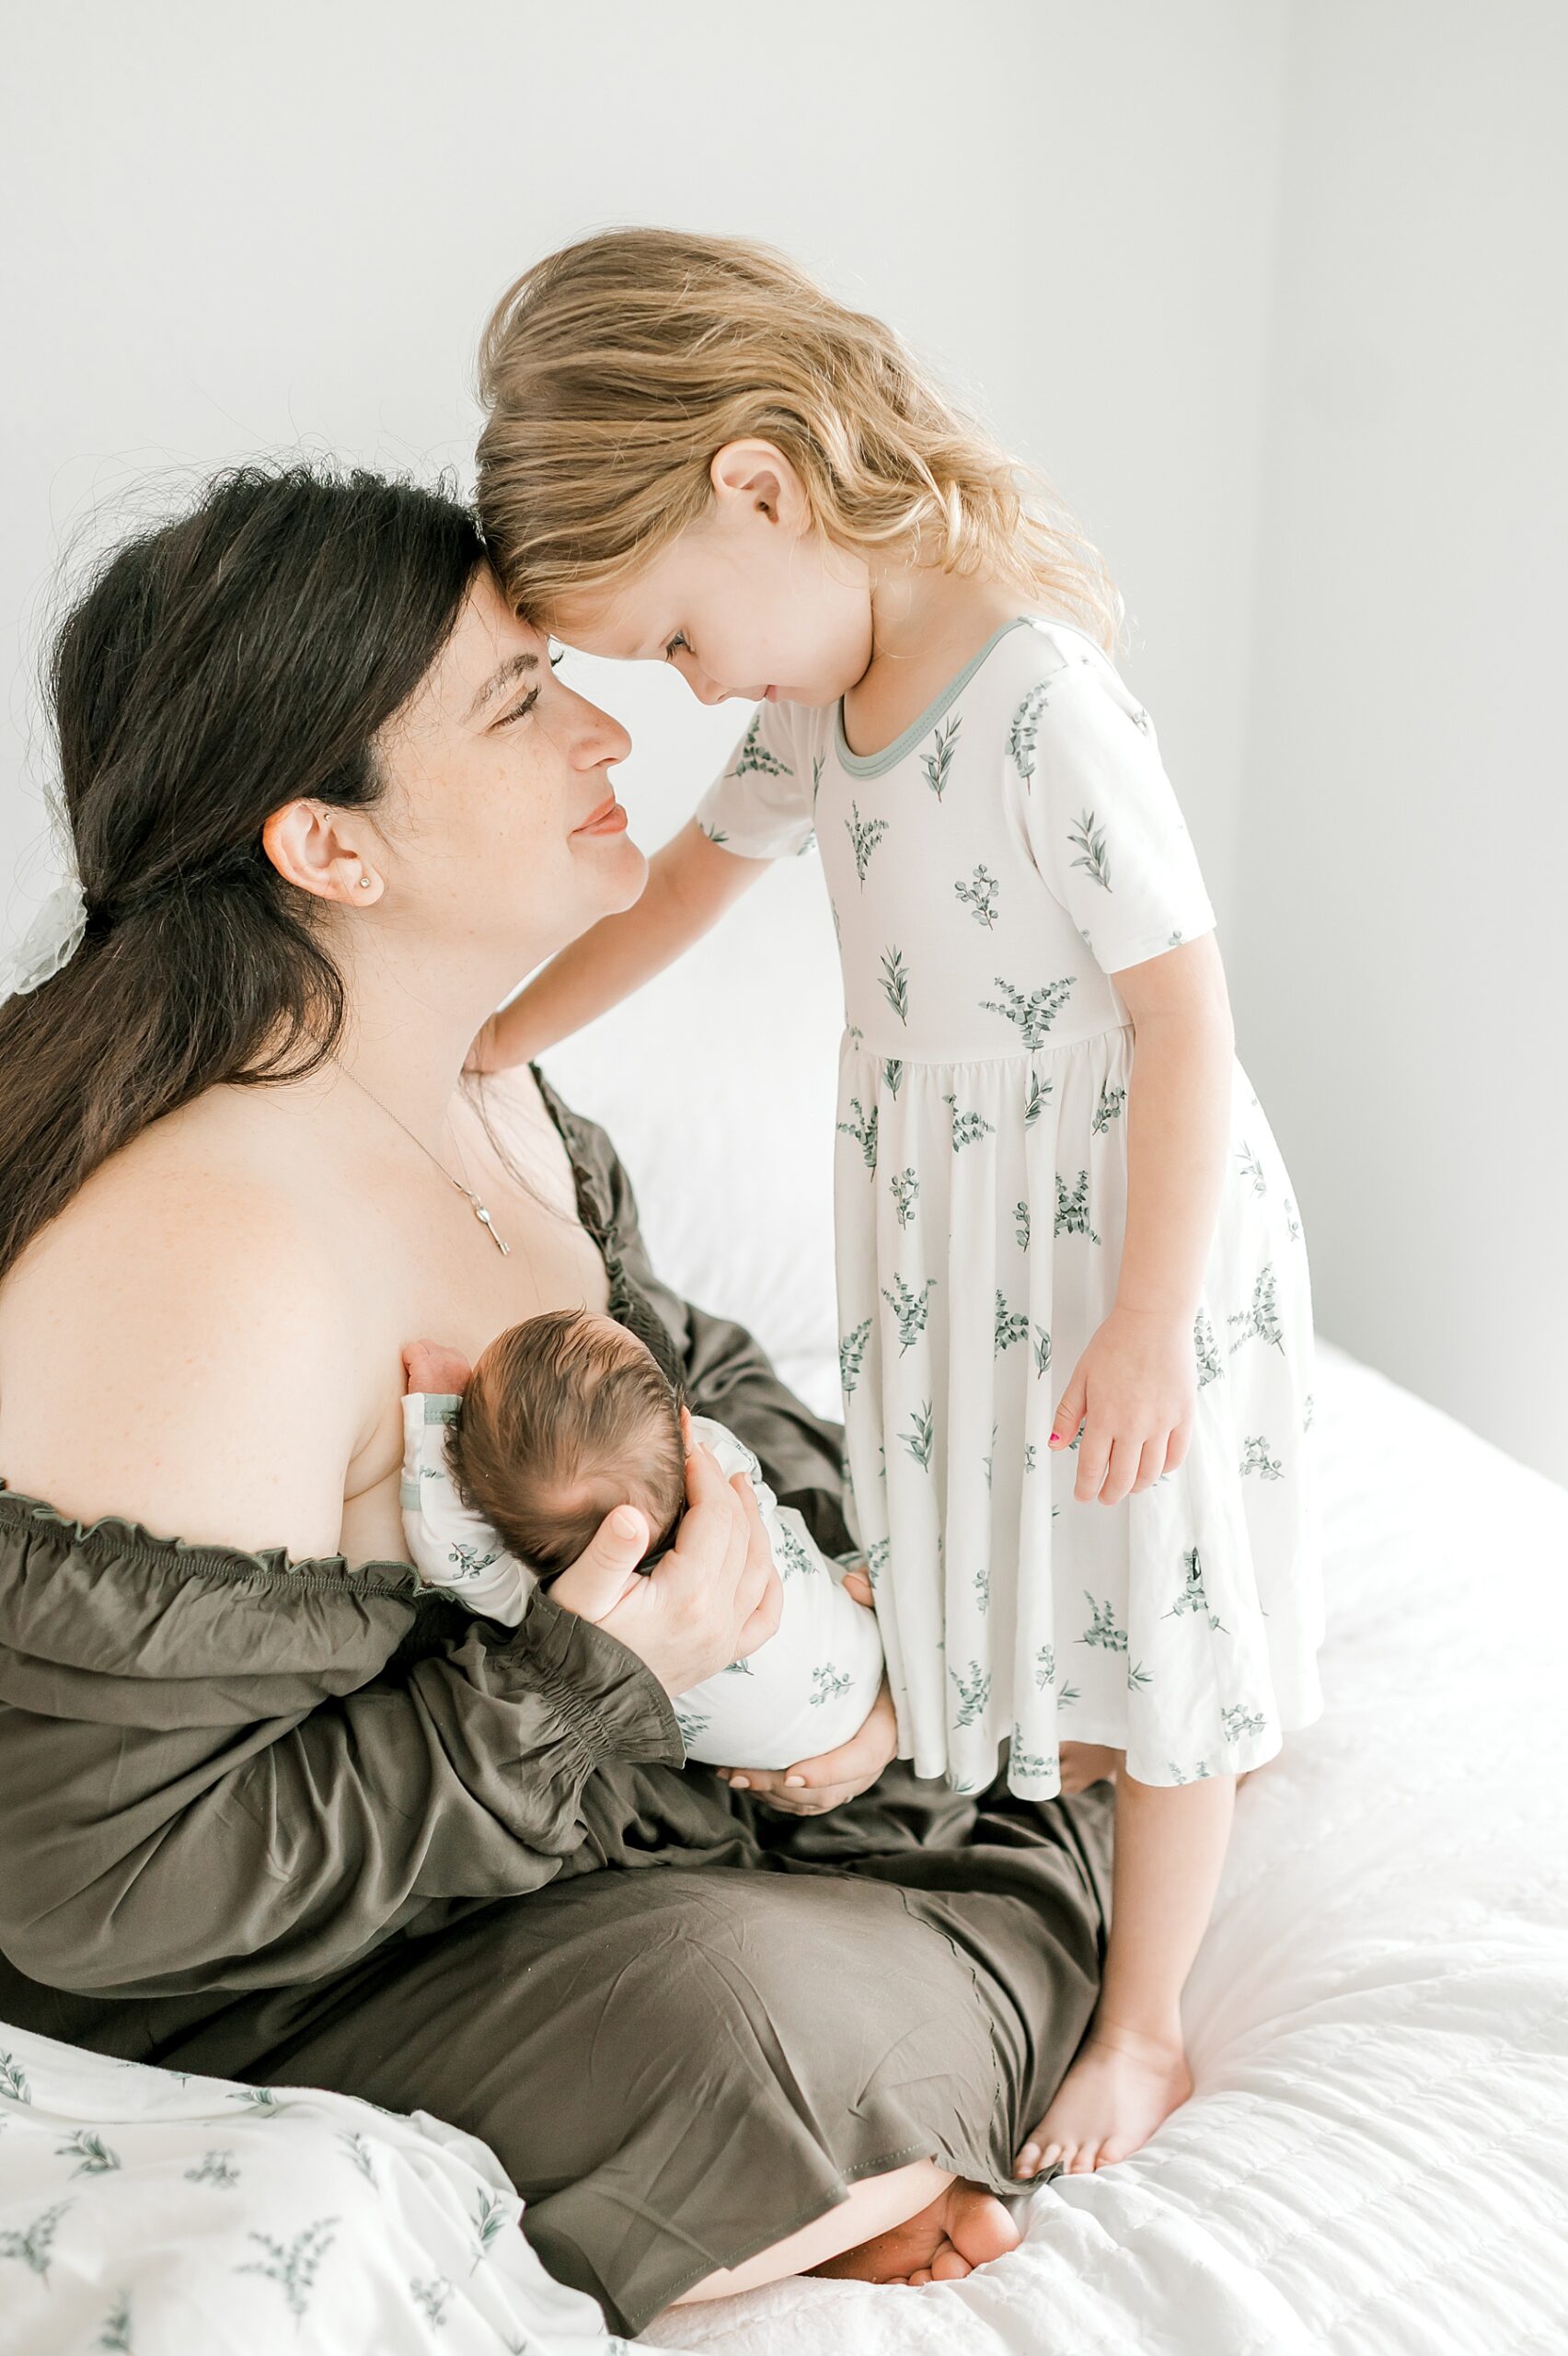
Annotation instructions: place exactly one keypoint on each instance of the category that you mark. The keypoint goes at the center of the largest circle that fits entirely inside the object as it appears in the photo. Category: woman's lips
(609, 818)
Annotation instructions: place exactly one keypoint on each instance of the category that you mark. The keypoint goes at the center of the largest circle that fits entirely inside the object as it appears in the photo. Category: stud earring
(365, 882)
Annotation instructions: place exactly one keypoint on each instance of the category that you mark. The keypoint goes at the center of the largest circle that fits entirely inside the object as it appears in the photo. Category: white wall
(1398, 949)
(1248, 279)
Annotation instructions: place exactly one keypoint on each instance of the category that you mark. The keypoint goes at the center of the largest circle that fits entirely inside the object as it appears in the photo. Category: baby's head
(693, 452)
(567, 1416)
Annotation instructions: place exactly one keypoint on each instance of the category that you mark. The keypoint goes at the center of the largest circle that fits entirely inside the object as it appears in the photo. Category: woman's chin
(619, 870)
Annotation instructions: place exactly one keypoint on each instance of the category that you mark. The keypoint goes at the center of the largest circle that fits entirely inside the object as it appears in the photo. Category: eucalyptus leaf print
(115, 2336)
(1102, 1629)
(851, 1350)
(14, 2079)
(1109, 1108)
(864, 836)
(974, 1693)
(1030, 1456)
(260, 2099)
(863, 1130)
(1040, 1094)
(920, 1438)
(293, 2265)
(1138, 1677)
(692, 1725)
(34, 2244)
(796, 1561)
(1022, 1762)
(1211, 1366)
(1238, 1722)
(938, 762)
(1251, 1171)
(910, 1308)
(466, 1560)
(1035, 1014)
(1307, 1417)
(828, 1682)
(1198, 1774)
(1025, 729)
(981, 1585)
(1072, 1209)
(431, 2298)
(1045, 1666)
(217, 2168)
(1292, 1224)
(754, 756)
(1010, 1325)
(979, 896)
(1194, 1596)
(1041, 1348)
(359, 2152)
(716, 835)
(892, 1074)
(491, 2217)
(896, 983)
(968, 1128)
(1260, 1322)
(1090, 841)
(1258, 1459)
(905, 1190)
(1020, 1213)
(90, 2153)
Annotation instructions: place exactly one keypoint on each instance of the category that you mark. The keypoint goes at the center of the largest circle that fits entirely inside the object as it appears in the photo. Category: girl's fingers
(1181, 1440)
(1121, 1471)
(1094, 1458)
(1152, 1464)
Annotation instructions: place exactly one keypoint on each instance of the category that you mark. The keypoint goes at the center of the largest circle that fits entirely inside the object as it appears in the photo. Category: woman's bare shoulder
(177, 1345)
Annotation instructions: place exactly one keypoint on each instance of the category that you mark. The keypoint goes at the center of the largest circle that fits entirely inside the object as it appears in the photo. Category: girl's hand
(814, 1785)
(711, 1599)
(1133, 1391)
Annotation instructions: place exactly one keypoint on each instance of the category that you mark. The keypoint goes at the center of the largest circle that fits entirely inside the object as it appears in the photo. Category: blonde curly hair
(613, 372)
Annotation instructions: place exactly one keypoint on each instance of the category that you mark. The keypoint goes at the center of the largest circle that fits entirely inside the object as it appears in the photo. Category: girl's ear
(753, 479)
(305, 845)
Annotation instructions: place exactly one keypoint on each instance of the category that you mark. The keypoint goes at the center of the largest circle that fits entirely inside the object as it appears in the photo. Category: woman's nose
(603, 739)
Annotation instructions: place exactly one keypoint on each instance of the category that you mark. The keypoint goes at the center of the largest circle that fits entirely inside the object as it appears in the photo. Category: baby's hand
(1133, 1393)
(431, 1366)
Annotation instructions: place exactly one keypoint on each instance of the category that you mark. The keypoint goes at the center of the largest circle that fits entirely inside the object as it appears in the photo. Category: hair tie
(50, 941)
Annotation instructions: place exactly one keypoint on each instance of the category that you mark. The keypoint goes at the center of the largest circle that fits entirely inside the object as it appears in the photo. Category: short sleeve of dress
(1101, 816)
(761, 805)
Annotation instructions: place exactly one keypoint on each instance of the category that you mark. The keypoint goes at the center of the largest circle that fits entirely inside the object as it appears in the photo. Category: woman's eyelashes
(521, 711)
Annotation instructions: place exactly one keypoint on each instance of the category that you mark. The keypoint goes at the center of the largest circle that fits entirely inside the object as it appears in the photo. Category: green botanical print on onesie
(215, 2168)
(1258, 1459)
(830, 1682)
(715, 833)
(911, 1310)
(1292, 1224)
(904, 1189)
(91, 2155)
(819, 762)
(359, 2152)
(1251, 1171)
(1112, 1100)
(293, 2269)
(895, 982)
(851, 1350)
(1090, 841)
(864, 836)
(260, 2100)
(796, 1558)
(979, 896)
(863, 1130)
(489, 2221)
(939, 760)
(967, 1127)
(432, 2297)
(14, 2079)
(1072, 1210)
(753, 754)
(1011, 1325)
(33, 2244)
(691, 1725)
(115, 2337)
(1199, 1773)
(1034, 1015)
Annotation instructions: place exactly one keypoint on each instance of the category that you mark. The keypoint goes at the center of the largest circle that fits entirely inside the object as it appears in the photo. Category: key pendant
(486, 1221)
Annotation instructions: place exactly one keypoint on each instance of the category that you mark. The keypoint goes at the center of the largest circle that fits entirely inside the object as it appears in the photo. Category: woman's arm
(690, 883)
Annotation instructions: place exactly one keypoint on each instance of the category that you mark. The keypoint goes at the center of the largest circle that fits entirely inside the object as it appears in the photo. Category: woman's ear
(303, 842)
(753, 479)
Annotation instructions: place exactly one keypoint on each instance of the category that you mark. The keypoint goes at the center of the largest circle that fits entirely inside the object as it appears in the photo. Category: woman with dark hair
(271, 1810)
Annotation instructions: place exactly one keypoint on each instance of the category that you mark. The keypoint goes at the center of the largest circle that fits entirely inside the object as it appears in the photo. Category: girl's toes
(1051, 2155)
(1028, 2161)
(1079, 2161)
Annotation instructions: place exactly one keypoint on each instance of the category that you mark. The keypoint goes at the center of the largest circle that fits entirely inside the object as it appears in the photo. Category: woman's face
(500, 826)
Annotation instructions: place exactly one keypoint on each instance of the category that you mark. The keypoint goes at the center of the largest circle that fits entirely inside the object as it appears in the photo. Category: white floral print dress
(990, 872)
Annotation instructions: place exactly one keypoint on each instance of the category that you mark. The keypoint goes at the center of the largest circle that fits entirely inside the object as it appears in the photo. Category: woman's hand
(816, 1785)
(711, 1599)
(1133, 1391)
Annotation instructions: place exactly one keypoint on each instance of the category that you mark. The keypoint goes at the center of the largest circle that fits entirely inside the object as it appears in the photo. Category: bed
(1376, 2159)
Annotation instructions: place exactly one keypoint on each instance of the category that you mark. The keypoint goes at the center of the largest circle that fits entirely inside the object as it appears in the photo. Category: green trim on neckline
(878, 764)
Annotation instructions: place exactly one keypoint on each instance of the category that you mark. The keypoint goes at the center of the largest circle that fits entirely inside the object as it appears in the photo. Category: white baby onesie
(808, 1689)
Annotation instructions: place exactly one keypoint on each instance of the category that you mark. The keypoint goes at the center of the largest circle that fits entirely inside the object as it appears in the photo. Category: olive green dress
(303, 1825)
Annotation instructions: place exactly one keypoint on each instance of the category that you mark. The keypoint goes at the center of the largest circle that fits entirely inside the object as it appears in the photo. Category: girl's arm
(690, 883)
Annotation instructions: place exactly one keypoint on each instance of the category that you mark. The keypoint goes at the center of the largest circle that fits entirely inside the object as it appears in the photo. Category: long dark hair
(239, 657)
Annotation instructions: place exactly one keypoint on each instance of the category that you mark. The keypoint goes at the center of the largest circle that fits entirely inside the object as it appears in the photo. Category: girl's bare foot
(1117, 2092)
(954, 2234)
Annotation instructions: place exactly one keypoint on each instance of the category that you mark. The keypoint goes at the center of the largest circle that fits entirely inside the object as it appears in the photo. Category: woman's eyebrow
(516, 666)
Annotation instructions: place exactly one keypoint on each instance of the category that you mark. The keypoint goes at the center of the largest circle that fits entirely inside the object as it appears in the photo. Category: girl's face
(750, 601)
(500, 828)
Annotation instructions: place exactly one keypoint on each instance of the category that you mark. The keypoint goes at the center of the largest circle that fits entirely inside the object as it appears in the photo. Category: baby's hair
(614, 371)
(556, 1405)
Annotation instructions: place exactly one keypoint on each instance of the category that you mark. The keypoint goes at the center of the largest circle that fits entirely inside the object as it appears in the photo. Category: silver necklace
(478, 1209)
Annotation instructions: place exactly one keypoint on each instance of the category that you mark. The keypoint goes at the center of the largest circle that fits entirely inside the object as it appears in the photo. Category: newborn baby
(565, 1417)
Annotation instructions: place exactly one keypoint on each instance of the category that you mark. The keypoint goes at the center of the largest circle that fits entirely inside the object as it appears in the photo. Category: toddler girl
(1074, 1315)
